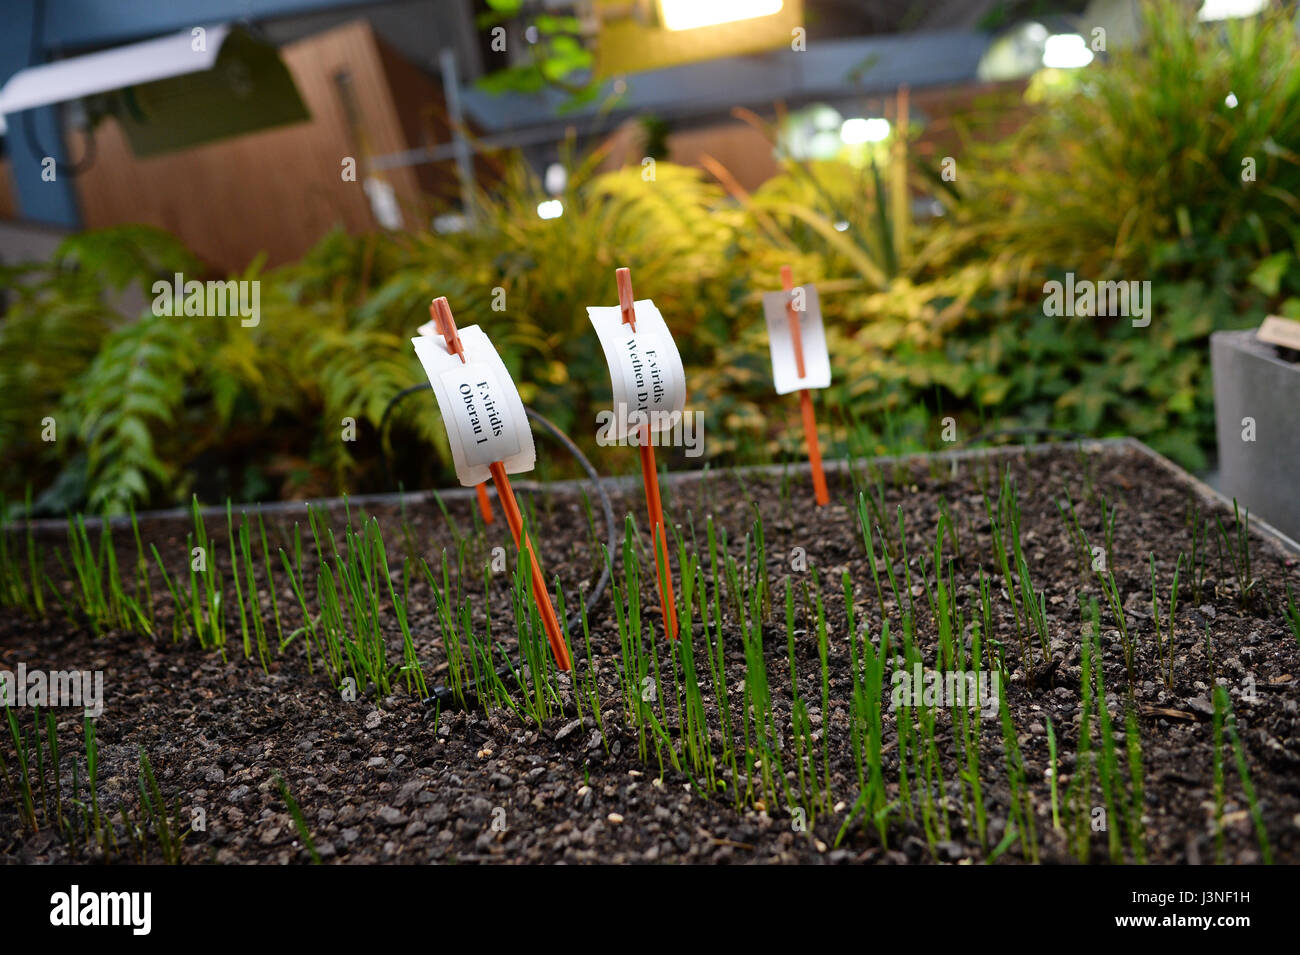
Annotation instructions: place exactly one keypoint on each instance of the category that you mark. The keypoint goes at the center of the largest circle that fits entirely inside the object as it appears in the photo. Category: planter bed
(390, 779)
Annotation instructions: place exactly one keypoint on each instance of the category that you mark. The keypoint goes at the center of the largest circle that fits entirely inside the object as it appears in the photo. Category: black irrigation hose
(575, 620)
(443, 696)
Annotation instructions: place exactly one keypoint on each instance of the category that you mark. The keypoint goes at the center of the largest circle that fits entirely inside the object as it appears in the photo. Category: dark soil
(384, 781)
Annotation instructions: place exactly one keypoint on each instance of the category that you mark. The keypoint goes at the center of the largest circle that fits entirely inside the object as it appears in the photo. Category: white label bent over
(645, 368)
(480, 405)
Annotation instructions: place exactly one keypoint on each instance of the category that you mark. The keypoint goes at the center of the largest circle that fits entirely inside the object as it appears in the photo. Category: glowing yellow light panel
(688, 31)
(691, 14)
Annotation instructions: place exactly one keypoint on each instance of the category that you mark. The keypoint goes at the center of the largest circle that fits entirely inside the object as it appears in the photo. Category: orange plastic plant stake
(516, 521)
(650, 478)
(805, 397)
(484, 502)
(446, 325)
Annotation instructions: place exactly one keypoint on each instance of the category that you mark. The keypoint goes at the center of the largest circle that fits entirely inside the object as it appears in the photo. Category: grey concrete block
(1252, 382)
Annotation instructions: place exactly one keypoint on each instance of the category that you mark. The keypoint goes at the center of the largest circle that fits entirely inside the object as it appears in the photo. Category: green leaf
(1267, 276)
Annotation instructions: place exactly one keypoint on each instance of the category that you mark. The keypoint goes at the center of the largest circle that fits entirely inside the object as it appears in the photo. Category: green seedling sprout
(298, 821)
(1243, 772)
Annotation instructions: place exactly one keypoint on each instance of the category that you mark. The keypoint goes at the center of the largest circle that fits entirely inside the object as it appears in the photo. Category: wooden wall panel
(278, 190)
(740, 148)
(8, 195)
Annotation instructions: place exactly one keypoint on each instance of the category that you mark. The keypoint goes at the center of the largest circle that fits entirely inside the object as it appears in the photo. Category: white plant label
(645, 368)
(816, 359)
(1280, 331)
(480, 405)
